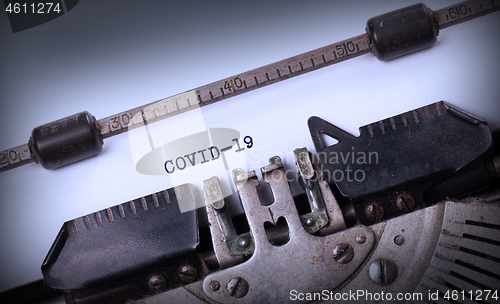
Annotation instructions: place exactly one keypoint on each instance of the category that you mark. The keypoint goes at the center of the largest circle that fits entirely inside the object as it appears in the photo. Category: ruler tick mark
(342, 50)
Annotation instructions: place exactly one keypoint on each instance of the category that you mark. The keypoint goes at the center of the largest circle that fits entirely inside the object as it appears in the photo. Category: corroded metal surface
(305, 263)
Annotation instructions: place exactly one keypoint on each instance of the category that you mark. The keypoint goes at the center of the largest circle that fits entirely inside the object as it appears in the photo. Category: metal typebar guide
(253, 79)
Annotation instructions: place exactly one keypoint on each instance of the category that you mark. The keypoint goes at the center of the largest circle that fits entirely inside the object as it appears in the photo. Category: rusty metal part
(360, 238)
(187, 273)
(399, 240)
(304, 163)
(308, 179)
(221, 226)
(214, 285)
(268, 263)
(374, 212)
(423, 231)
(420, 230)
(467, 251)
(237, 287)
(343, 252)
(157, 283)
(383, 271)
(336, 222)
(405, 202)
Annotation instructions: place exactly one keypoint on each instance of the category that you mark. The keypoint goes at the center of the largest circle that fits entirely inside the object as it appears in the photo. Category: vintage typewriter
(364, 181)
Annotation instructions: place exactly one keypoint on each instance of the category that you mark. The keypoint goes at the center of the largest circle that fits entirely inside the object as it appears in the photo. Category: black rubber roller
(403, 31)
(66, 141)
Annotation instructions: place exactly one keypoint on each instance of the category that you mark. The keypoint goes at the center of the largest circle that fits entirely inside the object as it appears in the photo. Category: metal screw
(214, 285)
(157, 283)
(343, 253)
(310, 222)
(383, 271)
(405, 202)
(237, 287)
(374, 212)
(187, 273)
(360, 238)
(399, 240)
